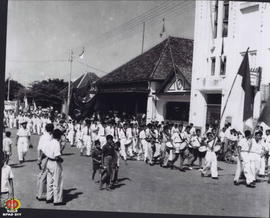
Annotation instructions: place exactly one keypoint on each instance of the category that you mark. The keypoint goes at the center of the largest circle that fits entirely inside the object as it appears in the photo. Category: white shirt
(129, 133)
(244, 144)
(52, 149)
(23, 132)
(196, 141)
(101, 131)
(7, 142)
(176, 137)
(256, 147)
(121, 134)
(6, 175)
(44, 140)
(142, 134)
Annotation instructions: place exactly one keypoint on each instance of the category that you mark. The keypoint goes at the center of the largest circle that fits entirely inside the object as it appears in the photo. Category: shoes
(215, 178)
(182, 170)
(251, 185)
(59, 204)
(202, 175)
(190, 168)
(40, 199)
(49, 201)
(235, 183)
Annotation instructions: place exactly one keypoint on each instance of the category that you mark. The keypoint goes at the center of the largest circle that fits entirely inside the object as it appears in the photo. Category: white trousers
(255, 163)
(54, 181)
(123, 149)
(210, 163)
(22, 148)
(262, 166)
(246, 169)
(87, 145)
(145, 148)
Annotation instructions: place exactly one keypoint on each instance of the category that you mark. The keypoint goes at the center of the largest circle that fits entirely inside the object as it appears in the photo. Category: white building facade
(224, 30)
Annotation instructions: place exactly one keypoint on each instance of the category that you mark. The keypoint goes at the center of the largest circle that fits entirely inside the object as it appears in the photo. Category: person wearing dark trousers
(96, 157)
(108, 154)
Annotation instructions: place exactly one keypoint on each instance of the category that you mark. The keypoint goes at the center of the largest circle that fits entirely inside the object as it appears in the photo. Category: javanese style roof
(171, 55)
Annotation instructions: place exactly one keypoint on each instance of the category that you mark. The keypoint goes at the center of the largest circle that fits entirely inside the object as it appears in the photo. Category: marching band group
(112, 138)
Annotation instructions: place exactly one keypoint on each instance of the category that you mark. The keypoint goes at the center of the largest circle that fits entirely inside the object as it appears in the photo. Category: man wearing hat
(22, 141)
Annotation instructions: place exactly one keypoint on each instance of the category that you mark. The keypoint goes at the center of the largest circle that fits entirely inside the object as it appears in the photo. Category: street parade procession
(115, 137)
(137, 107)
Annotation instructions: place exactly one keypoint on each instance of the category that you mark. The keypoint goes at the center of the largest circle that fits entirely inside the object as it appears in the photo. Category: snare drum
(128, 142)
(169, 145)
(202, 149)
(183, 145)
(217, 148)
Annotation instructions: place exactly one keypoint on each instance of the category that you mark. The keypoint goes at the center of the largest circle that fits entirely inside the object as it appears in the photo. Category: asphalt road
(143, 188)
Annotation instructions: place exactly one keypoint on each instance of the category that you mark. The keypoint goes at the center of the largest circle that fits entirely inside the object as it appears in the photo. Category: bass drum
(202, 149)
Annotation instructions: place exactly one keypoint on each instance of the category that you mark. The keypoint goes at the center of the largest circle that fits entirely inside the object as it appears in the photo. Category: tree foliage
(48, 93)
(16, 91)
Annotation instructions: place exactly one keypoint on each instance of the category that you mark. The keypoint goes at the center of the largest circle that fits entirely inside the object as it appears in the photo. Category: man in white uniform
(42, 161)
(23, 141)
(255, 154)
(243, 162)
(54, 170)
(210, 158)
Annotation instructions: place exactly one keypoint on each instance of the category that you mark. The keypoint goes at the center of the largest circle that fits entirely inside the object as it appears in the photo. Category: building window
(223, 62)
(213, 66)
(225, 18)
(216, 19)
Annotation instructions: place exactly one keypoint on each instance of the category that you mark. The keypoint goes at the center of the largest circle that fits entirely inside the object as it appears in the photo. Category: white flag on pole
(81, 55)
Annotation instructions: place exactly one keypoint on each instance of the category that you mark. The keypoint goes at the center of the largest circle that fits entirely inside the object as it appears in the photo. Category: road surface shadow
(124, 179)
(67, 196)
(68, 154)
(16, 165)
(119, 185)
(31, 160)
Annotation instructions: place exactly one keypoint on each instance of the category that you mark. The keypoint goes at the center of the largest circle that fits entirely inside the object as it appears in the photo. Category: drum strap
(181, 137)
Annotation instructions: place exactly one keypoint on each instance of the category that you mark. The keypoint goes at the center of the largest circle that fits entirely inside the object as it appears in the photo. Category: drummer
(197, 142)
(210, 157)
(166, 146)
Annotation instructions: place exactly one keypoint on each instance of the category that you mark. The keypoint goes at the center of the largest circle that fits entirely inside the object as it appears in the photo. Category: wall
(249, 26)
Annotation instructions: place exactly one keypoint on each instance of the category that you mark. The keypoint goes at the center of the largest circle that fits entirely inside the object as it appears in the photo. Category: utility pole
(69, 82)
(8, 94)
(143, 35)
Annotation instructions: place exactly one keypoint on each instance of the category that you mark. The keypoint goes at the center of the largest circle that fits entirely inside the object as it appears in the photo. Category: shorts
(4, 198)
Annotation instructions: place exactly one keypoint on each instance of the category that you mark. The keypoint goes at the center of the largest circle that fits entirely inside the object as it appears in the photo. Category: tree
(48, 93)
(16, 90)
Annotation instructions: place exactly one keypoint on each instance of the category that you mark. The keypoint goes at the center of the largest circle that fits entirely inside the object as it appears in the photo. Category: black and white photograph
(148, 107)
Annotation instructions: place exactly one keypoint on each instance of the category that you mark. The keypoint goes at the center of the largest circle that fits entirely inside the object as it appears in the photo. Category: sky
(41, 34)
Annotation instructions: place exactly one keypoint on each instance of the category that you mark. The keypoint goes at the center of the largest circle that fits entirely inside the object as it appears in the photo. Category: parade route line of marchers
(142, 188)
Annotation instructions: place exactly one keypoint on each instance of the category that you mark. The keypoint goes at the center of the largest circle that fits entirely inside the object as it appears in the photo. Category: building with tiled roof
(156, 83)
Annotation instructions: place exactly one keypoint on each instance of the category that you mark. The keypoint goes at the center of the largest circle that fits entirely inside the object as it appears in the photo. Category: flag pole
(143, 36)
(69, 81)
(8, 94)
(226, 103)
